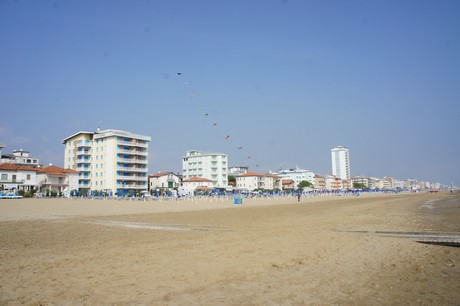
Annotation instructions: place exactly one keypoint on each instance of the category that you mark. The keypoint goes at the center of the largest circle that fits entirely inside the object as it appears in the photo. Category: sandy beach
(320, 251)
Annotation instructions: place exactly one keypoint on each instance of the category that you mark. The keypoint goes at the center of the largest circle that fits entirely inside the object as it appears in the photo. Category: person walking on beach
(298, 196)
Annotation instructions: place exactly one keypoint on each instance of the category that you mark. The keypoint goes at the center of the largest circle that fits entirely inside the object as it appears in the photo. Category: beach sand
(320, 251)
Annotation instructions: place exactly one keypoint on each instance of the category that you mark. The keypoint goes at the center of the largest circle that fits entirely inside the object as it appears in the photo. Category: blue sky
(287, 80)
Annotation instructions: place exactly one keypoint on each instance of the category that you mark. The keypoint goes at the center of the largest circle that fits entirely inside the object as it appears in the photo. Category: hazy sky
(287, 80)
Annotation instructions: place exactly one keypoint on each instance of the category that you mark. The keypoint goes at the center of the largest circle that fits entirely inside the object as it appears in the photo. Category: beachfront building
(164, 180)
(340, 162)
(19, 157)
(251, 181)
(56, 179)
(190, 185)
(333, 183)
(288, 184)
(401, 184)
(347, 184)
(362, 179)
(320, 182)
(212, 166)
(297, 175)
(110, 161)
(237, 170)
(17, 177)
(383, 183)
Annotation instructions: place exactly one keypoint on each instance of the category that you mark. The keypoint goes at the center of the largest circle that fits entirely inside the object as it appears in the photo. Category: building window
(28, 177)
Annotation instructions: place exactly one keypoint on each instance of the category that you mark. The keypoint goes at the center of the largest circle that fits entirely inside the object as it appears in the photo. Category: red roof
(287, 182)
(196, 179)
(159, 174)
(14, 167)
(250, 174)
(55, 170)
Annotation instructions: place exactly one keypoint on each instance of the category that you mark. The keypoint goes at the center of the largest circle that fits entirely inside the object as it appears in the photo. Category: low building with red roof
(288, 184)
(197, 183)
(57, 179)
(17, 177)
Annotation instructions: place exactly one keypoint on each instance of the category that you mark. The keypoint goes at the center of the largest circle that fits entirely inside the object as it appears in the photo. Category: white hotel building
(108, 160)
(340, 162)
(212, 166)
(297, 175)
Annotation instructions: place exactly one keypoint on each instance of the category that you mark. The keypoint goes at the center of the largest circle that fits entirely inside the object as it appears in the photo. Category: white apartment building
(19, 157)
(108, 160)
(251, 181)
(16, 177)
(340, 162)
(237, 170)
(212, 166)
(297, 175)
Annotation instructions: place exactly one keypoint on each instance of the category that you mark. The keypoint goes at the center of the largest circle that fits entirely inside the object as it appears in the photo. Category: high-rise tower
(340, 162)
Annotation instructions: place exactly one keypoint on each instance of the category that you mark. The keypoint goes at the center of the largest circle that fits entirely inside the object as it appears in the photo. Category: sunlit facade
(213, 166)
(109, 160)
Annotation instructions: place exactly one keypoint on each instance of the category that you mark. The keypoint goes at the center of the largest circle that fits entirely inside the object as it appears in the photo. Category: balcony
(132, 161)
(83, 153)
(84, 145)
(83, 169)
(131, 144)
(132, 169)
(11, 181)
(133, 152)
(131, 186)
(132, 178)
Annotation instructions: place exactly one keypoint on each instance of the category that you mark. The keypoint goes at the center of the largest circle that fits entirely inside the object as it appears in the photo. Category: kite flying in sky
(192, 94)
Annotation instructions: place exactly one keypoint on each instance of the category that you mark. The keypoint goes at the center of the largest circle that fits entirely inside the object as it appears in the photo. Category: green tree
(304, 184)
(231, 178)
(357, 185)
